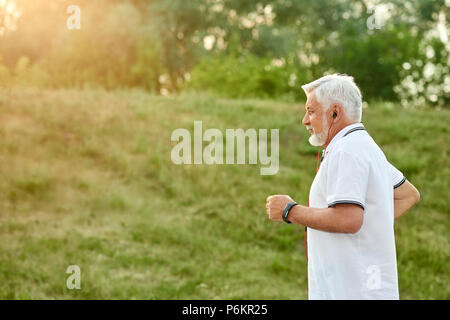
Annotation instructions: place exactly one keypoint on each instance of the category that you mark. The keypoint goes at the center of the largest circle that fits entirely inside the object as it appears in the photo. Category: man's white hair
(338, 88)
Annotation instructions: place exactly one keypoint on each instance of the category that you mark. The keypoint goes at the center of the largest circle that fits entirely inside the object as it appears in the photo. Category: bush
(247, 76)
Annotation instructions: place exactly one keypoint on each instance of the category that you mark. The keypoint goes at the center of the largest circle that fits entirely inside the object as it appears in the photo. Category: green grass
(86, 179)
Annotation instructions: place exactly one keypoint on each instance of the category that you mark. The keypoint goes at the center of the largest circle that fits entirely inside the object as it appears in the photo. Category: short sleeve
(347, 178)
(397, 177)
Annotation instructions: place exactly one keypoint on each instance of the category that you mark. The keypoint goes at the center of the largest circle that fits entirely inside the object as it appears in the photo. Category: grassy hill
(87, 180)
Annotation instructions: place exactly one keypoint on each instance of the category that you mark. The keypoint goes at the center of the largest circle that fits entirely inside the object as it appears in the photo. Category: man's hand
(275, 205)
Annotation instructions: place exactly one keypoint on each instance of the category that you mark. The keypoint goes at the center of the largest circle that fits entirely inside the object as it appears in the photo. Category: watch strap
(286, 211)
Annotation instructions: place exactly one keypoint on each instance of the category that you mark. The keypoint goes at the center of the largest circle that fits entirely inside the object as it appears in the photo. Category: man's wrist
(287, 210)
(296, 214)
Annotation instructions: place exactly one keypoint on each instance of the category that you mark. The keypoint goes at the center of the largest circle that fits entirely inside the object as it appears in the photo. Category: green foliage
(374, 60)
(123, 52)
(146, 69)
(246, 76)
(159, 46)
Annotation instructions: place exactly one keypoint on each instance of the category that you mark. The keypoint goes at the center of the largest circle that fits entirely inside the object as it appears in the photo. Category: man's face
(315, 121)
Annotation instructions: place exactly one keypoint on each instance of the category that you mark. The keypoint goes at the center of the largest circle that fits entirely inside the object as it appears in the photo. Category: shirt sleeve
(397, 177)
(347, 178)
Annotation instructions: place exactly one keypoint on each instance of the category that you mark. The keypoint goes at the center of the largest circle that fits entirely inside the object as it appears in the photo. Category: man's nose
(305, 120)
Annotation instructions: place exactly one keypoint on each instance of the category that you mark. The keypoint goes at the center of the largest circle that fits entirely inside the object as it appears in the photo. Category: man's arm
(405, 197)
(341, 218)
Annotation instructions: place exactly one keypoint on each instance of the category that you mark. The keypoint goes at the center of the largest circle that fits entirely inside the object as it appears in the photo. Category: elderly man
(353, 201)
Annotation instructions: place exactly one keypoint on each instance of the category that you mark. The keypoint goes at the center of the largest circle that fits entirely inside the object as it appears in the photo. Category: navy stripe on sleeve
(346, 202)
(400, 183)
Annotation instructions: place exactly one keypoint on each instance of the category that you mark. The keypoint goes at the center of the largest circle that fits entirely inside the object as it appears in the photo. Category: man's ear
(336, 112)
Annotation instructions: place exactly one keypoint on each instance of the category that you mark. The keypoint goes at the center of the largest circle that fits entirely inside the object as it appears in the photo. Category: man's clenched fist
(275, 205)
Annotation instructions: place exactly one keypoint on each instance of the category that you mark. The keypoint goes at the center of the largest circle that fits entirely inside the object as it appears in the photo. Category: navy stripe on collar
(353, 130)
(348, 132)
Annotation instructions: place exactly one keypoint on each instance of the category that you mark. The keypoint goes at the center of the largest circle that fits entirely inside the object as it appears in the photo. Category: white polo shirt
(361, 265)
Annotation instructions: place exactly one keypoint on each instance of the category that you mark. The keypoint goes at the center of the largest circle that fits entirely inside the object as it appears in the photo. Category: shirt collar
(342, 133)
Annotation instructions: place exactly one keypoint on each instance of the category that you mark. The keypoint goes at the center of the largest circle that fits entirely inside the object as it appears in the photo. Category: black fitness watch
(287, 209)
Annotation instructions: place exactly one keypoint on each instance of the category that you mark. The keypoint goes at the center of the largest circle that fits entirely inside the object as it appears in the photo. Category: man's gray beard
(318, 139)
